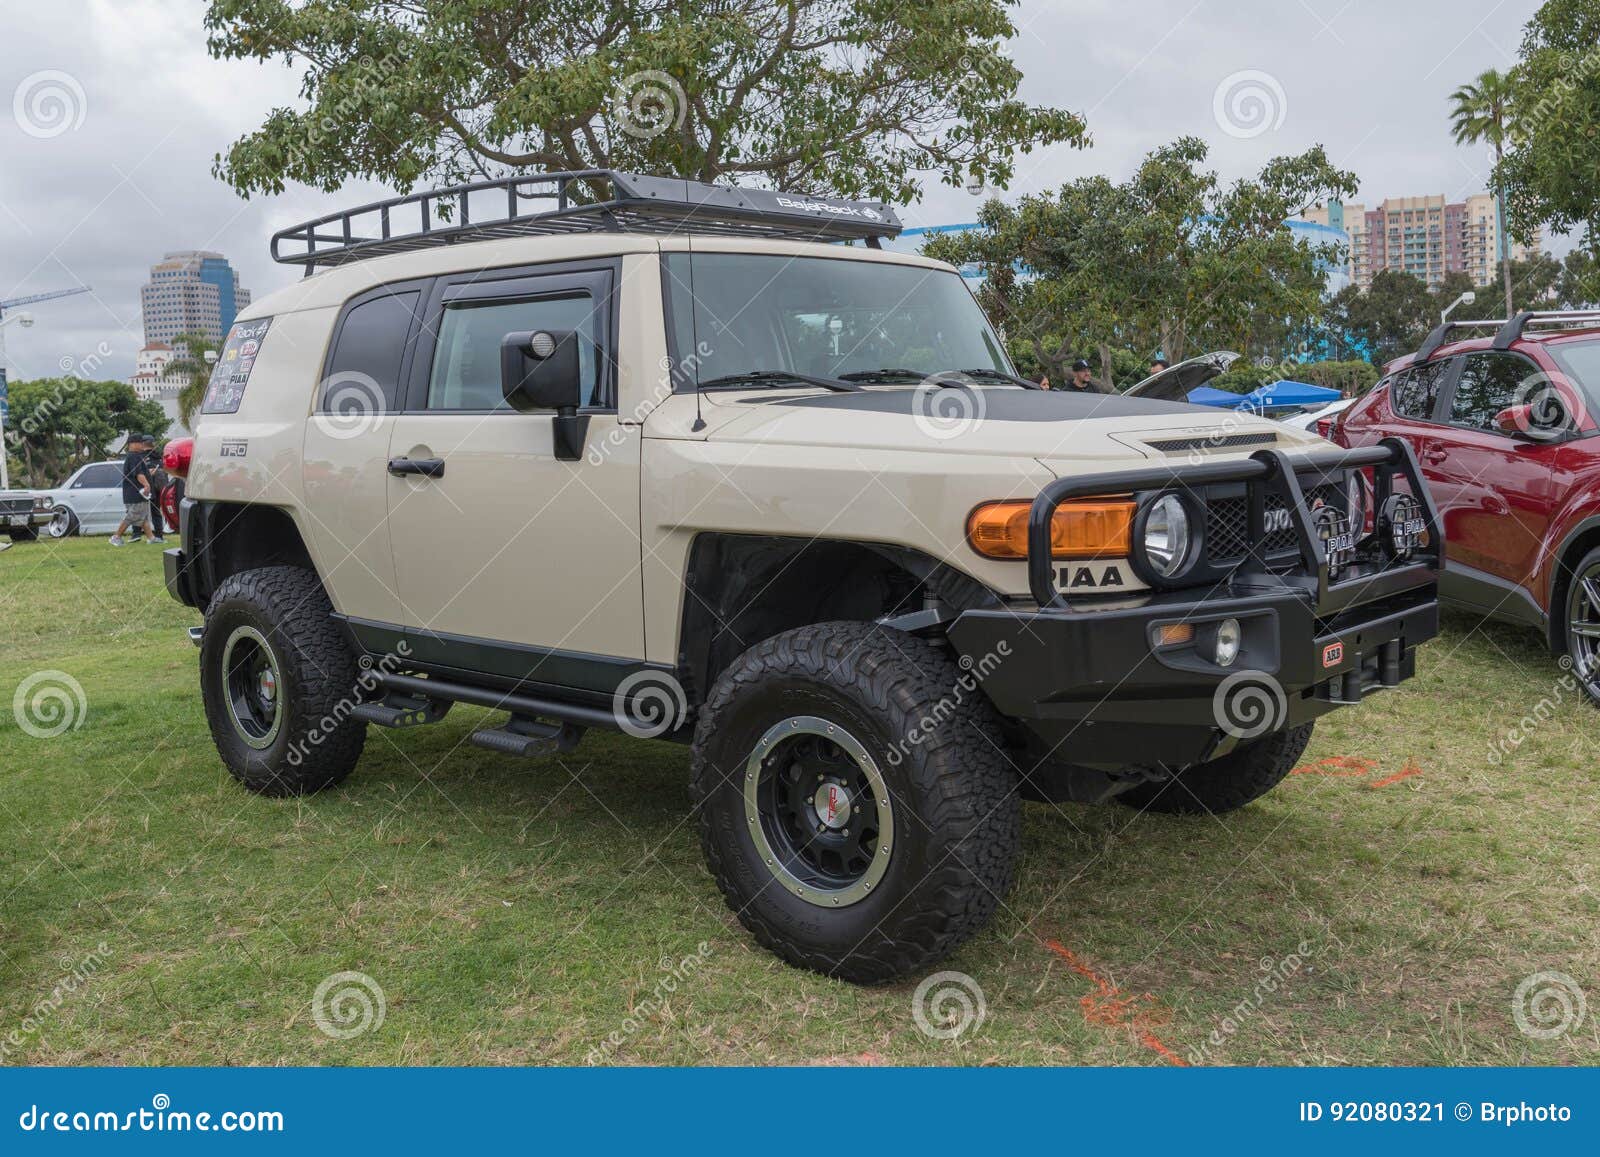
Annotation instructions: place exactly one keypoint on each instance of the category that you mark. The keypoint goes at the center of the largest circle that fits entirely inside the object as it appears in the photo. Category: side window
(363, 371)
(1416, 391)
(466, 360)
(1488, 384)
(98, 478)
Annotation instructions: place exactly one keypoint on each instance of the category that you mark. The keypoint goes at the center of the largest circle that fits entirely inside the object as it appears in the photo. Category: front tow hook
(196, 634)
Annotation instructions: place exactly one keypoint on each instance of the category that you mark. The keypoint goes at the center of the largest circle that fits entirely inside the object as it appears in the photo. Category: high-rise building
(1424, 236)
(191, 292)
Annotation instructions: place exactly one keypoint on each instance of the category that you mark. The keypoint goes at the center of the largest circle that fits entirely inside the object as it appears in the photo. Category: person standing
(1081, 380)
(136, 490)
(158, 483)
(1157, 365)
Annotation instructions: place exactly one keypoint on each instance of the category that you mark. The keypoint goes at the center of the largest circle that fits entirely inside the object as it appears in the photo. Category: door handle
(1435, 455)
(427, 467)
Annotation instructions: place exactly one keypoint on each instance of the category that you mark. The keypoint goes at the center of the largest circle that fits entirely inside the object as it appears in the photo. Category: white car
(90, 502)
(1310, 419)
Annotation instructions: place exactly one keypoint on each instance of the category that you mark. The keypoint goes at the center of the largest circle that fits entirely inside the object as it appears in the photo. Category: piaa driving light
(1094, 528)
(1165, 538)
(1225, 643)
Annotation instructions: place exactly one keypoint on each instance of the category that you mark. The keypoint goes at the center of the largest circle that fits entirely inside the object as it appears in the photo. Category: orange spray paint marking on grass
(1109, 1006)
(1338, 765)
(1407, 772)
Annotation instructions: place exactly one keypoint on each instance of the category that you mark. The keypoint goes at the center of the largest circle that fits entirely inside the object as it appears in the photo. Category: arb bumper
(1333, 615)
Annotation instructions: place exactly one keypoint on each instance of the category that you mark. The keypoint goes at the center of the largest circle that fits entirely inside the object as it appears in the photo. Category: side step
(524, 736)
(395, 710)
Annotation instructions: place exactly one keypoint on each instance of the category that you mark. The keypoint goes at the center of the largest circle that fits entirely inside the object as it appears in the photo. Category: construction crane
(26, 319)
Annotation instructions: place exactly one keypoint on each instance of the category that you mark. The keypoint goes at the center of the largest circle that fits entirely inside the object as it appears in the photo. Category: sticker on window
(232, 372)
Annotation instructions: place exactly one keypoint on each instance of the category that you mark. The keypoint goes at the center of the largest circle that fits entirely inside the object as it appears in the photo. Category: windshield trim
(684, 381)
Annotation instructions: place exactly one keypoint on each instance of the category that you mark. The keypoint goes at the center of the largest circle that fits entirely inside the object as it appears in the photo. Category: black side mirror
(541, 370)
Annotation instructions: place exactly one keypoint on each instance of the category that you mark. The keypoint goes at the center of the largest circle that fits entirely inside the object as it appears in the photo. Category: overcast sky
(127, 175)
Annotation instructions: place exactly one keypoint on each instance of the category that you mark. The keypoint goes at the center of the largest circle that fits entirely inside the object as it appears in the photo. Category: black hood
(999, 405)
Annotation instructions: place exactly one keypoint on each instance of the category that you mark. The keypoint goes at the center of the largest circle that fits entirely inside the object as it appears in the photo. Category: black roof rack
(1506, 331)
(549, 203)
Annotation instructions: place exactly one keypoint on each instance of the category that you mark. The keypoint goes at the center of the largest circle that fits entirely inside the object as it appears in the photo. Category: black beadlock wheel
(278, 680)
(1580, 624)
(855, 806)
(1227, 783)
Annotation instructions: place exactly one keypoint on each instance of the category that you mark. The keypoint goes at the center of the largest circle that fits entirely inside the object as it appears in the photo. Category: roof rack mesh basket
(581, 201)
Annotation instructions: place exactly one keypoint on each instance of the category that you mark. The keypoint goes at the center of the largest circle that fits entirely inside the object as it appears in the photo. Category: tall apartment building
(1424, 236)
(191, 292)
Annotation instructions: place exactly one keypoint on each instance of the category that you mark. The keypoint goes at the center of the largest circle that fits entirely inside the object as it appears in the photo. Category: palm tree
(194, 367)
(1482, 112)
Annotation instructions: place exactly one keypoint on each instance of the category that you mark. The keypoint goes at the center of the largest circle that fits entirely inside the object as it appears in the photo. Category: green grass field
(1381, 907)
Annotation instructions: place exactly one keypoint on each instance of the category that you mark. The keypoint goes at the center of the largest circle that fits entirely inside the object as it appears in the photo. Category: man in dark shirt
(136, 490)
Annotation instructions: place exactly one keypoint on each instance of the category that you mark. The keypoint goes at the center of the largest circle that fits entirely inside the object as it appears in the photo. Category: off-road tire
(1227, 783)
(953, 796)
(316, 743)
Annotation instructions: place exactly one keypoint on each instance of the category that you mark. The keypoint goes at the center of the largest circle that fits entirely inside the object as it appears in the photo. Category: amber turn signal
(1092, 528)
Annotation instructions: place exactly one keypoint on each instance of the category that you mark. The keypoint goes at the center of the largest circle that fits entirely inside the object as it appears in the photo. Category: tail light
(176, 457)
(1324, 427)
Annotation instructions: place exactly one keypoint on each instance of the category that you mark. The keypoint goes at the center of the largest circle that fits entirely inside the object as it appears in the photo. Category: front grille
(16, 505)
(1228, 525)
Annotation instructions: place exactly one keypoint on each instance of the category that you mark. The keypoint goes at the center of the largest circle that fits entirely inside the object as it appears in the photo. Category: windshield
(740, 313)
(1581, 362)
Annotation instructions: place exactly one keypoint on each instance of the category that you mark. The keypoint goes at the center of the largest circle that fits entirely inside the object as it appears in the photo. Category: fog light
(1225, 644)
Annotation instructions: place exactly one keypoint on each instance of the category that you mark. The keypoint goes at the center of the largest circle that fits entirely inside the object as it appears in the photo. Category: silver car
(90, 502)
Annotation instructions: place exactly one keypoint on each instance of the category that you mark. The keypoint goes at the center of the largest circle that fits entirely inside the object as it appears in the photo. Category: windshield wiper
(1001, 375)
(760, 377)
(883, 375)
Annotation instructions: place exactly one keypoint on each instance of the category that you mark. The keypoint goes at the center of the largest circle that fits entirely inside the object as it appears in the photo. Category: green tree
(194, 367)
(1171, 260)
(1578, 286)
(1481, 112)
(1387, 319)
(58, 424)
(854, 97)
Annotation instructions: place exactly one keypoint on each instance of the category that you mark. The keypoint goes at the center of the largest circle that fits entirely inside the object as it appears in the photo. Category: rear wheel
(1226, 783)
(279, 681)
(855, 807)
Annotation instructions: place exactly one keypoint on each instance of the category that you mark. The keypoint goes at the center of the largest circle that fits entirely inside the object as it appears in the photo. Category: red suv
(1504, 430)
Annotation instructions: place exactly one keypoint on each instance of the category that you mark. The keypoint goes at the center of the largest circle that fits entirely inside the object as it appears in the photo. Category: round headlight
(1166, 536)
(1225, 643)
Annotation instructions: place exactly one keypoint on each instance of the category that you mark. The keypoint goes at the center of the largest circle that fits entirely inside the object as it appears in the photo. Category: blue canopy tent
(1222, 399)
(1286, 395)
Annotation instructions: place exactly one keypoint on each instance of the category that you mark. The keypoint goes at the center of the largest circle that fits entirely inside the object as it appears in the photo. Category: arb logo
(1332, 655)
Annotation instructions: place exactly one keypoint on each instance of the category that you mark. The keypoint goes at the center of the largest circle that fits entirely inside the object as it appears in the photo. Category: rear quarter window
(234, 364)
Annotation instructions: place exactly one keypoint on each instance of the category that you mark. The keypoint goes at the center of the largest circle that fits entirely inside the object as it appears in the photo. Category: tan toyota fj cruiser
(601, 450)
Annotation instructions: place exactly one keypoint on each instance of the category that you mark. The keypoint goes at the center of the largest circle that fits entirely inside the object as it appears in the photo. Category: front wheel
(1227, 783)
(855, 806)
(63, 523)
(279, 683)
(23, 534)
